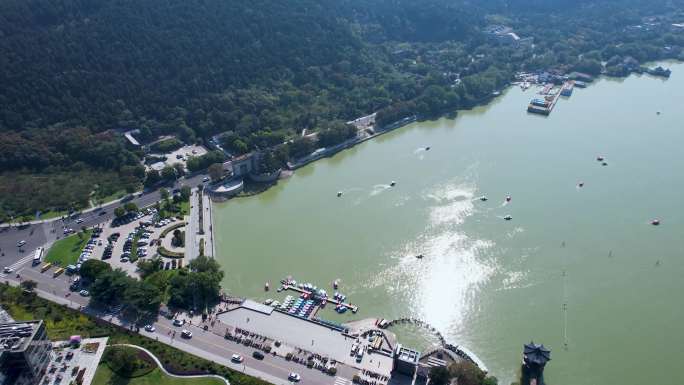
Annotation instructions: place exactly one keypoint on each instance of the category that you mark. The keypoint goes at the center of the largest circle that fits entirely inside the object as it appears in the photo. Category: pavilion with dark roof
(536, 355)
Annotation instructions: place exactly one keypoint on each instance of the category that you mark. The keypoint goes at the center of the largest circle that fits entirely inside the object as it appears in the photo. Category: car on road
(237, 358)
(150, 328)
(206, 179)
(7, 270)
(124, 259)
(79, 220)
(178, 322)
(101, 213)
(84, 293)
(258, 355)
(186, 333)
(21, 243)
(294, 377)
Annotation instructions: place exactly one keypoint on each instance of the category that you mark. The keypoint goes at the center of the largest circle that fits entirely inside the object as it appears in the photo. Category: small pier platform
(351, 307)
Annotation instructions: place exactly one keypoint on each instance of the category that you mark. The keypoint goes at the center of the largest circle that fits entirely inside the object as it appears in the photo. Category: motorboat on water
(580, 184)
(508, 217)
(339, 194)
(508, 198)
(420, 256)
(604, 164)
(484, 198)
(268, 301)
(427, 148)
(267, 286)
(655, 222)
(393, 183)
(335, 284)
(600, 158)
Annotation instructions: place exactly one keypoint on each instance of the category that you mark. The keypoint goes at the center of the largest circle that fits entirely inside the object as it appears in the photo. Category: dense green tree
(142, 300)
(93, 268)
(147, 267)
(215, 171)
(131, 207)
(109, 286)
(119, 212)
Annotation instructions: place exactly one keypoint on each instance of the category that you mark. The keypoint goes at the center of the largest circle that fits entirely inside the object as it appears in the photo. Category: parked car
(84, 293)
(237, 358)
(7, 270)
(258, 355)
(178, 322)
(294, 377)
(186, 333)
(150, 328)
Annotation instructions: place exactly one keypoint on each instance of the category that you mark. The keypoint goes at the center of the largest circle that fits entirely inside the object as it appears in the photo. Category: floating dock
(351, 307)
(544, 106)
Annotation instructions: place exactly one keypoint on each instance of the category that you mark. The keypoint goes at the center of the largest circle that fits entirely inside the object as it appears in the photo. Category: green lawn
(105, 376)
(53, 214)
(66, 251)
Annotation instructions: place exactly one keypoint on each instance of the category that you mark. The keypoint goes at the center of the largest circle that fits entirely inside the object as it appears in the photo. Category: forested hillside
(76, 73)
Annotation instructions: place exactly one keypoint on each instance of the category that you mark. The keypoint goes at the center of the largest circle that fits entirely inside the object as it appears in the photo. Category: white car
(294, 377)
(84, 293)
(186, 333)
(79, 220)
(206, 179)
(21, 243)
(150, 328)
(178, 322)
(237, 358)
(8, 270)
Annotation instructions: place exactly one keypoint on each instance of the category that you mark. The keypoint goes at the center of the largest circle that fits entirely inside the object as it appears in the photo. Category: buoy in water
(508, 217)
(393, 183)
(655, 222)
(339, 194)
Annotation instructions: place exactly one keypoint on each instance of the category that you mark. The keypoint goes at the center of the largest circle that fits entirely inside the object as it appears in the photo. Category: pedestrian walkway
(342, 381)
(16, 265)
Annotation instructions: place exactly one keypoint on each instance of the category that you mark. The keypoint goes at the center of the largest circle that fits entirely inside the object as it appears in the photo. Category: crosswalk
(342, 381)
(16, 265)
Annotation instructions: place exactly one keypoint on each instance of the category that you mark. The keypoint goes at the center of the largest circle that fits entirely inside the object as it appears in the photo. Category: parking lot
(182, 155)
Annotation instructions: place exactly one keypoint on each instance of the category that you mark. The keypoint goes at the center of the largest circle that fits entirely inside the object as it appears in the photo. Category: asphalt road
(203, 343)
(45, 233)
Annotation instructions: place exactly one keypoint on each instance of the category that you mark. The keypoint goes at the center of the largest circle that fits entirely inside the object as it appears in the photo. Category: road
(45, 233)
(206, 344)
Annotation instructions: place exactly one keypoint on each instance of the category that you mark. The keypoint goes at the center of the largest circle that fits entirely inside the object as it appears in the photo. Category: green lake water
(484, 282)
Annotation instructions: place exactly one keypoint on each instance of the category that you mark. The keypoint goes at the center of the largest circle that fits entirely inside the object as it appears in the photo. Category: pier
(351, 307)
(550, 100)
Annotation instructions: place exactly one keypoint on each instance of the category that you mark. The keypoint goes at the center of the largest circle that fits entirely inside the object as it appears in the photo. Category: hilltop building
(24, 352)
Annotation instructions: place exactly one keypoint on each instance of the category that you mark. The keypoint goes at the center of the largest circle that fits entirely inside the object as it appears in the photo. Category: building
(24, 352)
(405, 360)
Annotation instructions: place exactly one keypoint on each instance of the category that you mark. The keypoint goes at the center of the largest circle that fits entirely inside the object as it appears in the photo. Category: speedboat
(420, 256)
(268, 301)
(508, 217)
(336, 283)
(580, 184)
(484, 198)
(604, 164)
(427, 148)
(508, 198)
(655, 222)
(393, 183)
(600, 158)
(266, 286)
(339, 194)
